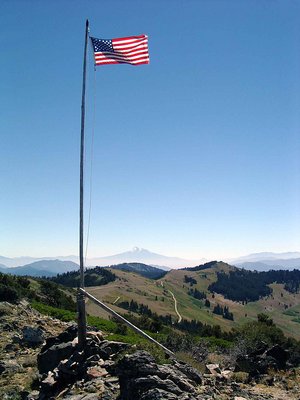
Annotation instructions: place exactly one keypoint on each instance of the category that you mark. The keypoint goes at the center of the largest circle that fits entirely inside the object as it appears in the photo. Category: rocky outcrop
(23, 332)
(141, 378)
(71, 372)
(68, 372)
(110, 370)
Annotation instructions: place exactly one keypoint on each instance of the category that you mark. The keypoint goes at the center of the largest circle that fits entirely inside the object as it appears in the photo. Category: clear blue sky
(195, 155)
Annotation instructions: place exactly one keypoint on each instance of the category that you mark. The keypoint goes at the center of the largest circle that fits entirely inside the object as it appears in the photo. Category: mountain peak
(138, 250)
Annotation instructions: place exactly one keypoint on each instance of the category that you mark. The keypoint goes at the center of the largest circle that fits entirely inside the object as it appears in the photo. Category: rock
(96, 372)
(95, 335)
(10, 366)
(167, 372)
(214, 369)
(112, 380)
(141, 378)
(78, 356)
(105, 349)
(94, 360)
(49, 385)
(50, 358)
(34, 395)
(145, 383)
(188, 371)
(108, 364)
(140, 363)
(68, 335)
(32, 336)
(68, 367)
(261, 360)
(158, 394)
(227, 374)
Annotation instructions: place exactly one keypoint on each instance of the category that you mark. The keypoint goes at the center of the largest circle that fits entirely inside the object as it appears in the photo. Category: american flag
(129, 50)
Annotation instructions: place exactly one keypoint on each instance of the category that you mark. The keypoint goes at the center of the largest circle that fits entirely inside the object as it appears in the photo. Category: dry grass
(130, 286)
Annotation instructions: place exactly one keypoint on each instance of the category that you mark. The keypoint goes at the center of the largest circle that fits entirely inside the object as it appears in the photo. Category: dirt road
(175, 306)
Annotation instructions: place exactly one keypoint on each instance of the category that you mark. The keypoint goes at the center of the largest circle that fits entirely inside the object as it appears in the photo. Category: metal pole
(80, 296)
(122, 319)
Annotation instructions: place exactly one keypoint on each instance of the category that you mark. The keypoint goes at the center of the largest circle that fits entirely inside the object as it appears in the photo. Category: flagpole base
(81, 318)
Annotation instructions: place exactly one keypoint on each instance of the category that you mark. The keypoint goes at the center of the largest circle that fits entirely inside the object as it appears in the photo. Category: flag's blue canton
(102, 45)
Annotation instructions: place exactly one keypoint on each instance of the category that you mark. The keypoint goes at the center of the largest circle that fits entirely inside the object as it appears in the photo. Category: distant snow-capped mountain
(146, 257)
(135, 255)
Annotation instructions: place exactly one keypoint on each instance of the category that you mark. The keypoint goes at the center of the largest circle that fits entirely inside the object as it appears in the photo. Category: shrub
(263, 330)
(64, 315)
(8, 294)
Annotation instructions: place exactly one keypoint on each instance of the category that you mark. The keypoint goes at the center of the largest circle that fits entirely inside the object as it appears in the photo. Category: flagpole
(80, 296)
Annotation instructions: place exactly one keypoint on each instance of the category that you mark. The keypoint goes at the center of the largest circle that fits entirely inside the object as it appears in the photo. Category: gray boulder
(142, 379)
(158, 394)
(32, 336)
(50, 358)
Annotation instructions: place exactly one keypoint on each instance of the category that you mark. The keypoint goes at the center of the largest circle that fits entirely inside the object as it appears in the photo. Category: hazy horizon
(137, 249)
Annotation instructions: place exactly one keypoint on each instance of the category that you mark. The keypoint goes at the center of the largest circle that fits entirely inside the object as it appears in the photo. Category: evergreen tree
(207, 303)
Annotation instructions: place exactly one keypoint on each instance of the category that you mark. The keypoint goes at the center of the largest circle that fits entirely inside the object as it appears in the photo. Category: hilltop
(147, 271)
(40, 360)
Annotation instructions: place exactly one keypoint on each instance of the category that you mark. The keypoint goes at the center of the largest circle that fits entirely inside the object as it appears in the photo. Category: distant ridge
(259, 261)
(264, 256)
(23, 261)
(266, 265)
(267, 260)
(42, 268)
(27, 271)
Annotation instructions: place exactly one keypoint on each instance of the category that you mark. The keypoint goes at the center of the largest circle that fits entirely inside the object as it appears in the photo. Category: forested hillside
(92, 277)
(14, 288)
(243, 285)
